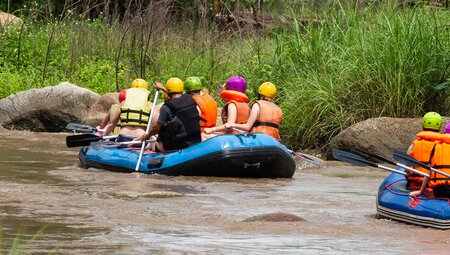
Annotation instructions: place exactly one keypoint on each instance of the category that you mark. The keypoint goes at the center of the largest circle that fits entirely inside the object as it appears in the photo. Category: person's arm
(410, 149)
(250, 122)
(422, 188)
(232, 114)
(159, 86)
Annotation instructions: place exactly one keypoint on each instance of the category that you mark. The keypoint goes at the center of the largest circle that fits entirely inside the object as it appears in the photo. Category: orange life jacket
(423, 151)
(209, 110)
(243, 112)
(269, 119)
(233, 95)
(441, 161)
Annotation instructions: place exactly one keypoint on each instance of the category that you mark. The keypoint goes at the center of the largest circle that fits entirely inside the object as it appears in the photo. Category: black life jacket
(183, 130)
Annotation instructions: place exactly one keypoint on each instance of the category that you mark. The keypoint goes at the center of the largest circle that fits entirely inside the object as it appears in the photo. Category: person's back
(134, 111)
(183, 128)
(423, 147)
(440, 184)
(269, 117)
(206, 104)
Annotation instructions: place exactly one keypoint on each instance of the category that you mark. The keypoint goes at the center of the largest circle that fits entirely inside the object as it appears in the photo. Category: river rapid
(92, 211)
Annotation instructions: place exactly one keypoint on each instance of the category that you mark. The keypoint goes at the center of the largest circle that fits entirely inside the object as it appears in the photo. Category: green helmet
(192, 83)
(432, 120)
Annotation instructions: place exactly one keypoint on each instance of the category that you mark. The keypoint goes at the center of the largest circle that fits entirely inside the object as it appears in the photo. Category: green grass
(359, 63)
(19, 244)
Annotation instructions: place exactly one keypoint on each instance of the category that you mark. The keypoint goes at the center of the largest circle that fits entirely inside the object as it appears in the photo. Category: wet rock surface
(274, 217)
(378, 135)
(47, 109)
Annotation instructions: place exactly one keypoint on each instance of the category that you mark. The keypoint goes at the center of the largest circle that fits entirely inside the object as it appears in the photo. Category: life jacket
(441, 161)
(183, 130)
(268, 120)
(243, 112)
(232, 95)
(209, 110)
(424, 150)
(135, 110)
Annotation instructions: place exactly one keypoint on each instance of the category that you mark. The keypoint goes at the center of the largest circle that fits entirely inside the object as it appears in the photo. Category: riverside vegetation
(354, 63)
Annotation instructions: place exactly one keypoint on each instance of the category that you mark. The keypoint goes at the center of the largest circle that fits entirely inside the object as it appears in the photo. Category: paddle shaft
(394, 163)
(147, 131)
(97, 145)
(402, 156)
(360, 161)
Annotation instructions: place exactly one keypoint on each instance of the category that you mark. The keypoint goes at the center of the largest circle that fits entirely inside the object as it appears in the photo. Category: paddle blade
(351, 158)
(308, 158)
(378, 157)
(407, 159)
(80, 128)
(81, 140)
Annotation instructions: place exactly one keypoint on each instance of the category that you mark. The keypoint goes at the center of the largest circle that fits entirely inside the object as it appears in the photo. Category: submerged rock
(274, 217)
(162, 194)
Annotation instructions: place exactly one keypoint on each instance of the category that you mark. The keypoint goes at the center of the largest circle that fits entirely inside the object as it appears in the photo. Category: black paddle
(409, 160)
(81, 140)
(112, 144)
(360, 161)
(392, 162)
(80, 128)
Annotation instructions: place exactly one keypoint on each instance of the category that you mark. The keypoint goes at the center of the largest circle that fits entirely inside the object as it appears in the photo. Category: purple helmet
(447, 129)
(236, 83)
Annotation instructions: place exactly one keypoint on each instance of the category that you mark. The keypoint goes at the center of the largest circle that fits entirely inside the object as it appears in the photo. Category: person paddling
(236, 109)
(265, 116)
(178, 124)
(440, 160)
(422, 148)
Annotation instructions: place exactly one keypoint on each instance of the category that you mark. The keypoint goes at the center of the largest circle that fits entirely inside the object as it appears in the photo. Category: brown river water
(92, 211)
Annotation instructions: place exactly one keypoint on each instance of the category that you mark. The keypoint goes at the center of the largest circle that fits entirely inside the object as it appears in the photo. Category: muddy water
(85, 211)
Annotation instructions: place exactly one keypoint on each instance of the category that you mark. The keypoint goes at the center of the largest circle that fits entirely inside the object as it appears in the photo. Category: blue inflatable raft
(393, 202)
(249, 156)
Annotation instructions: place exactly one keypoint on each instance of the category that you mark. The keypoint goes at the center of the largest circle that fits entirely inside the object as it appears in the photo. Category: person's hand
(208, 130)
(229, 125)
(414, 193)
(141, 138)
(158, 85)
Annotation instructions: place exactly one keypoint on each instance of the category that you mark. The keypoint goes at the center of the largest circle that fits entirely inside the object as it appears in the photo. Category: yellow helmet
(174, 85)
(267, 89)
(139, 83)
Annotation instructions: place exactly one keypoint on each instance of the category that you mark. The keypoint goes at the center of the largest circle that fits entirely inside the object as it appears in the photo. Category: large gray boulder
(48, 109)
(378, 135)
(100, 109)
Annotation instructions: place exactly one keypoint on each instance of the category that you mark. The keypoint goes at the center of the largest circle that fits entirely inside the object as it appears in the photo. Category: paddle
(80, 128)
(390, 161)
(111, 144)
(147, 131)
(408, 159)
(84, 139)
(360, 161)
